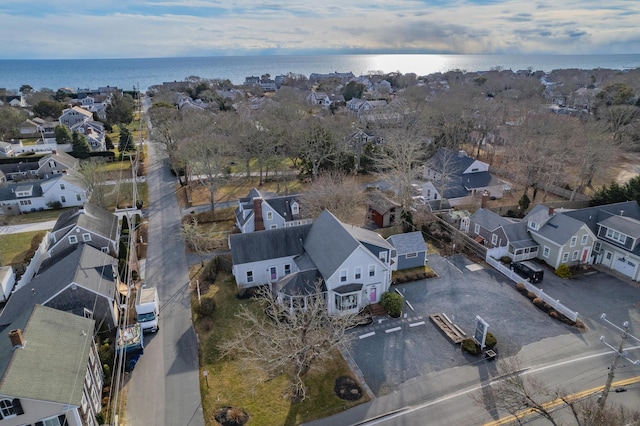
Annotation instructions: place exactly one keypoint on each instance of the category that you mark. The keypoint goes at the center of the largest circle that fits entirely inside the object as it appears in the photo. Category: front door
(372, 294)
(585, 255)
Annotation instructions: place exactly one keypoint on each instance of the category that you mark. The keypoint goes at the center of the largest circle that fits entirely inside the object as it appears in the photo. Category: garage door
(624, 266)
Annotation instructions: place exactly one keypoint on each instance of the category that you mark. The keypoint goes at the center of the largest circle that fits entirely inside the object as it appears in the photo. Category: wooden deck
(452, 331)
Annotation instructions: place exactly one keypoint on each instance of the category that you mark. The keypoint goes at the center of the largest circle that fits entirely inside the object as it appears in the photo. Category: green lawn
(121, 195)
(41, 216)
(16, 249)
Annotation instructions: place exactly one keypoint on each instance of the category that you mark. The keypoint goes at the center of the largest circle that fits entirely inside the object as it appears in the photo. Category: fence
(554, 303)
(462, 240)
(34, 264)
(557, 204)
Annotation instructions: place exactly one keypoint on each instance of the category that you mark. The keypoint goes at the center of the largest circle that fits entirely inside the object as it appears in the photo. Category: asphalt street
(164, 387)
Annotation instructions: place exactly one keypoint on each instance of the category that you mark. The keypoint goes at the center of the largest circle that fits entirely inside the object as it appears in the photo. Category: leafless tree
(291, 340)
(338, 193)
(167, 128)
(92, 178)
(201, 240)
(208, 150)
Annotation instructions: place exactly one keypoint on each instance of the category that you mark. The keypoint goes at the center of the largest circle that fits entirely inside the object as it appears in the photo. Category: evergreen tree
(63, 134)
(126, 140)
(81, 147)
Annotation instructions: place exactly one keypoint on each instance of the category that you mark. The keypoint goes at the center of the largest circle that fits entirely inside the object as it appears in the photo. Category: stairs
(377, 310)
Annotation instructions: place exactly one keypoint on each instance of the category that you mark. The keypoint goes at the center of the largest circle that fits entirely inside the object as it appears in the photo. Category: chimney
(258, 221)
(551, 210)
(16, 338)
(485, 198)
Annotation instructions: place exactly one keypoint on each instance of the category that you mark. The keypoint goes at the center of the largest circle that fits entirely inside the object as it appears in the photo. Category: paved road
(164, 388)
(27, 227)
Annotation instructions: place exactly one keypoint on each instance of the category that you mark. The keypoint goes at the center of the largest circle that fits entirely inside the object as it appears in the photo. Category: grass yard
(121, 195)
(234, 188)
(39, 216)
(231, 383)
(16, 249)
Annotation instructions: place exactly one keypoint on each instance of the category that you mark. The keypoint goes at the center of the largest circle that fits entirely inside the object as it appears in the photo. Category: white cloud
(194, 27)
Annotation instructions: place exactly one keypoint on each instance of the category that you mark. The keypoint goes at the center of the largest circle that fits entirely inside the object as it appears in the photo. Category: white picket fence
(554, 303)
(34, 264)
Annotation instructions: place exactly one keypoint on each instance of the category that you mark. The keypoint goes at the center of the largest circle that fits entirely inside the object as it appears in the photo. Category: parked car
(528, 270)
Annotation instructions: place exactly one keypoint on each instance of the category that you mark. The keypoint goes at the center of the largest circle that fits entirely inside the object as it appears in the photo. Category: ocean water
(145, 72)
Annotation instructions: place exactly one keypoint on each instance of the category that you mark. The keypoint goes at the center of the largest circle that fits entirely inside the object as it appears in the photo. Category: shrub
(490, 341)
(531, 295)
(206, 307)
(538, 302)
(520, 287)
(392, 303)
(553, 314)
(505, 260)
(563, 271)
(469, 345)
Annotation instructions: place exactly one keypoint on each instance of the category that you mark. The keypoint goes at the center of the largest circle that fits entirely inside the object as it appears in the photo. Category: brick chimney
(16, 338)
(258, 222)
(485, 199)
(551, 210)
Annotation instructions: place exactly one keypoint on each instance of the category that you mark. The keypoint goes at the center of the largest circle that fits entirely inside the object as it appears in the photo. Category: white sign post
(481, 332)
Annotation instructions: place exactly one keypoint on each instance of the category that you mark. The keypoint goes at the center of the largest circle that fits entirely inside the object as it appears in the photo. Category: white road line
(366, 335)
(415, 324)
(391, 330)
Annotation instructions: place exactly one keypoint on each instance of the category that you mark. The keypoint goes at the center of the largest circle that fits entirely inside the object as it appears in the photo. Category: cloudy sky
(34, 29)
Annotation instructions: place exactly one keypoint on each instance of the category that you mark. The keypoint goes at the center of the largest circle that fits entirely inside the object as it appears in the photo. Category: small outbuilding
(411, 249)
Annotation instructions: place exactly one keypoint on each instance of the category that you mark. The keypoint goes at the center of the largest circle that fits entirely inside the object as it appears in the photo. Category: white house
(34, 195)
(74, 115)
(352, 264)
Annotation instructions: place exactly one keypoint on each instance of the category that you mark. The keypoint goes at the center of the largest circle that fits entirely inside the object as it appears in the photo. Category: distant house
(33, 195)
(82, 281)
(267, 210)
(56, 163)
(90, 225)
(324, 100)
(353, 265)
(93, 131)
(411, 249)
(50, 371)
(6, 149)
(456, 176)
(74, 115)
(381, 210)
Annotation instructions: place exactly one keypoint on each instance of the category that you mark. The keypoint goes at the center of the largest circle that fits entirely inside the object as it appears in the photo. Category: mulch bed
(231, 416)
(347, 388)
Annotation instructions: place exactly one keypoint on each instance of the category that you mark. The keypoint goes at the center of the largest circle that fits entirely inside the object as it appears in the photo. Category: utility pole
(620, 352)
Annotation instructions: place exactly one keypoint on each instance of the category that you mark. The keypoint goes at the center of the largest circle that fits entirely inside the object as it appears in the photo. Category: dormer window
(533, 225)
(616, 236)
(294, 208)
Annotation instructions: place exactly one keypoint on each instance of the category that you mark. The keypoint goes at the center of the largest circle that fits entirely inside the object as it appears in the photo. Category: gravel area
(403, 349)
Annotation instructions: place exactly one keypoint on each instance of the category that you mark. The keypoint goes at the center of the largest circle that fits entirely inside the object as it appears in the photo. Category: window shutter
(17, 406)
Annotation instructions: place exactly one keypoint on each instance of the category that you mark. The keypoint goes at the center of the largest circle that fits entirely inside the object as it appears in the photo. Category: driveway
(394, 352)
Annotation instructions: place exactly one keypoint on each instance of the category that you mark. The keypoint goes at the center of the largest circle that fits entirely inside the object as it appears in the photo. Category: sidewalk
(27, 227)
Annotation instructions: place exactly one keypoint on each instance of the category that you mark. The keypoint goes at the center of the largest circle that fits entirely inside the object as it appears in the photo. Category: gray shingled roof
(559, 229)
(52, 364)
(329, 243)
(624, 224)
(592, 215)
(92, 218)
(411, 242)
(84, 265)
(518, 236)
(300, 283)
(268, 244)
(488, 219)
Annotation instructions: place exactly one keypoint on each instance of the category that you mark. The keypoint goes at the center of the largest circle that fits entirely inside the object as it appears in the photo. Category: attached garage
(624, 266)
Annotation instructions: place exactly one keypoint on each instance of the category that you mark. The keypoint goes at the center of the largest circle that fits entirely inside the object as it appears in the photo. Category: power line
(620, 353)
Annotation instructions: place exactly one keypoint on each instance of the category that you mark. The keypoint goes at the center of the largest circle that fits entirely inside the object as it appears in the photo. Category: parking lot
(395, 351)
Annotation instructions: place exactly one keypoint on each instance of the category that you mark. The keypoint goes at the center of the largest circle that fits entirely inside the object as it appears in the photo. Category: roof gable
(411, 242)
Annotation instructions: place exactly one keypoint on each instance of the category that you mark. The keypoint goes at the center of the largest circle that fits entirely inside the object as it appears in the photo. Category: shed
(411, 249)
